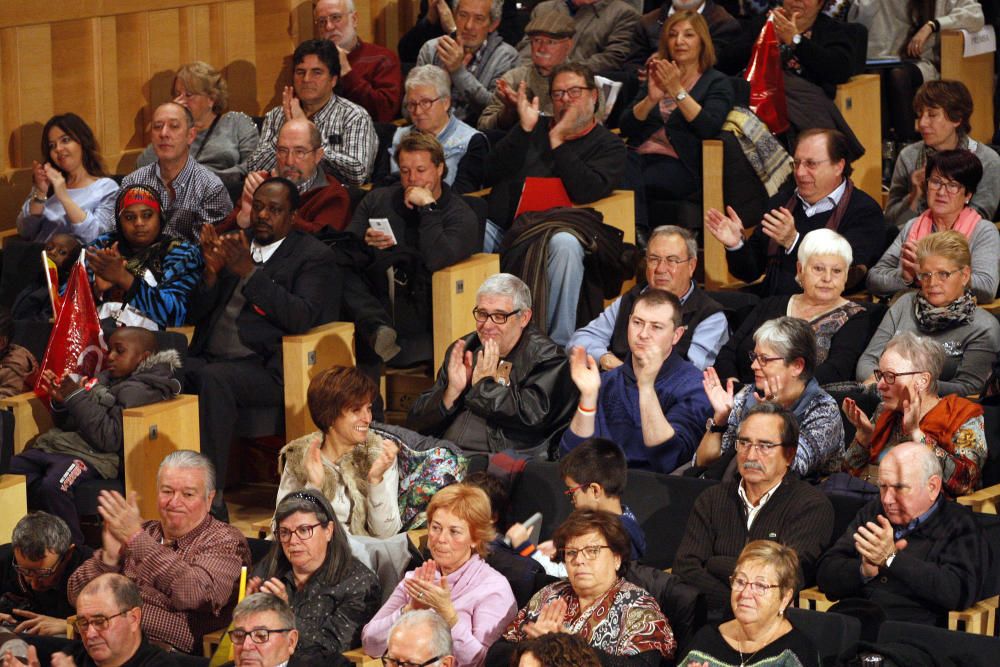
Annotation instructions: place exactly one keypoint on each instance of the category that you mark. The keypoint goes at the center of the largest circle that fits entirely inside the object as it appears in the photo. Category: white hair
(923, 353)
(509, 285)
(434, 626)
(429, 75)
(188, 458)
(825, 242)
(496, 8)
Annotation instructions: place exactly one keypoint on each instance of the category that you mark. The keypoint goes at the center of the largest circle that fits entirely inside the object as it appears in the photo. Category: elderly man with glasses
(504, 386)
(767, 501)
(263, 632)
(419, 638)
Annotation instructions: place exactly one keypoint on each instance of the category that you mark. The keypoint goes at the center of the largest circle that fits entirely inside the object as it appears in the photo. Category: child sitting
(87, 441)
(34, 302)
(16, 362)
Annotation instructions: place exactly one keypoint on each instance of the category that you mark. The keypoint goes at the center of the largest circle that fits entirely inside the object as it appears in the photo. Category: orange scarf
(939, 424)
(966, 224)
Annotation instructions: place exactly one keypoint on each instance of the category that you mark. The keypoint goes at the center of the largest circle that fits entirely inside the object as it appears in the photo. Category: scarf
(964, 143)
(931, 319)
(139, 260)
(774, 252)
(939, 424)
(966, 224)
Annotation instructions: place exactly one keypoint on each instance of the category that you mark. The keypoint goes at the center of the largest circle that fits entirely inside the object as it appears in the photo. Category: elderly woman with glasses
(841, 326)
(620, 621)
(428, 105)
(783, 362)
(310, 567)
(950, 179)
(474, 599)
(762, 587)
(944, 309)
(912, 410)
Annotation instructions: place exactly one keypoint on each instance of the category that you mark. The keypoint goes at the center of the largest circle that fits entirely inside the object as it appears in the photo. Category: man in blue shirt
(653, 405)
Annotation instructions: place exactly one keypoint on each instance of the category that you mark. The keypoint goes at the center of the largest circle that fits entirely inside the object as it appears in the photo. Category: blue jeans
(565, 272)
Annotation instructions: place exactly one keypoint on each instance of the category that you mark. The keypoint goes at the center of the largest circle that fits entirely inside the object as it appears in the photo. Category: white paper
(610, 90)
(979, 42)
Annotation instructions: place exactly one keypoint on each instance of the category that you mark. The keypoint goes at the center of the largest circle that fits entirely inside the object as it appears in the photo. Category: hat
(553, 23)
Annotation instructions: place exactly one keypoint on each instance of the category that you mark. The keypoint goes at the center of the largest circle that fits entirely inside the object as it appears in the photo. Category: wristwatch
(797, 39)
(712, 427)
(681, 96)
(888, 561)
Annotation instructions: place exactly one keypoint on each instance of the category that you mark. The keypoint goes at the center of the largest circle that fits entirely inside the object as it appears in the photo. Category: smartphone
(534, 524)
(382, 225)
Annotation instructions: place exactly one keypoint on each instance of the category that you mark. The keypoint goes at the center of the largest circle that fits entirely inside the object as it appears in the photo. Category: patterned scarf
(931, 319)
(963, 144)
(138, 260)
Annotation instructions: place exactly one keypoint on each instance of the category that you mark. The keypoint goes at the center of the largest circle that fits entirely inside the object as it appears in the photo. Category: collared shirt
(187, 588)
(700, 10)
(899, 532)
(827, 203)
(262, 253)
(318, 180)
(348, 134)
(754, 510)
(194, 198)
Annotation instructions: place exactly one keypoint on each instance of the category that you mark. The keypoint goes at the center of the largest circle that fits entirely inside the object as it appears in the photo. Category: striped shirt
(349, 140)
(194, 198)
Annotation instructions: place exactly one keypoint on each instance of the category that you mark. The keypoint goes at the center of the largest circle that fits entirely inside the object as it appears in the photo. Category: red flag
(767, 81)
(76, 345)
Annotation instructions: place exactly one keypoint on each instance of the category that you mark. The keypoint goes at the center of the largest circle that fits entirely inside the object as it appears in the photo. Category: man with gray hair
(186, 564)
(473, 54)
(419, 637)
(34, 571)
(505, 385)
(913, 554)
(671, 259)
(263, 632)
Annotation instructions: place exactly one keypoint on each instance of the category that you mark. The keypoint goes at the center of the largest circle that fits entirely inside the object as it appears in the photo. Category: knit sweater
(375, 81)
(970, 349)
(324, 206)
(797, 515)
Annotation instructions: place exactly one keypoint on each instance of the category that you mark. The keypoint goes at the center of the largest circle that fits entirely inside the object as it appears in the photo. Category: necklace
(739, 646)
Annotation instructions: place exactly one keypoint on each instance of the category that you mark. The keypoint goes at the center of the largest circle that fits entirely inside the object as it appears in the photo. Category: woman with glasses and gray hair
(783, 362)
(619, 620)
(763, 585)
(427, 103)
(842, 327)
(310, 566)
(945, 310)
(912, 410)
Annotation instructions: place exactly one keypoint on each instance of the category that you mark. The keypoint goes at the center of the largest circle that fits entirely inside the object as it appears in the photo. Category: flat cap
(553, 23)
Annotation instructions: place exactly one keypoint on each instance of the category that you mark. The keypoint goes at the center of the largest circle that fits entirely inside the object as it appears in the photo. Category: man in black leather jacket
(504, 386)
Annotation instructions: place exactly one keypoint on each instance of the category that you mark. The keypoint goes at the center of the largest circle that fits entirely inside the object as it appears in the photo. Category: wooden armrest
(979, 619)
(210, 642)
(418, 538)
(453, 291)
(7, 234)
(860, 102)
(974, 72)
(70, 627)
(479, 193)
(304, 356)
(14, 501)
(263, 528)
(187, 330)
(359, 657)
(991, 307)
(31, 417)
(618, 210)
(813, 598)
(983, 501)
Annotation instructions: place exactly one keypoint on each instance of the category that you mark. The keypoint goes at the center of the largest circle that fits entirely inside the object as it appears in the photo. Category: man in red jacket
(324, 202)
(370, 74)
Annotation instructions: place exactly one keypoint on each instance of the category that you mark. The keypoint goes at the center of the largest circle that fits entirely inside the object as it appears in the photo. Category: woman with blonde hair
(474, 599)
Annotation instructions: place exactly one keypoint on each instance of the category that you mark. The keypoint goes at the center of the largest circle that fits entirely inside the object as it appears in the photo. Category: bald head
(910, 478)
(299, 150)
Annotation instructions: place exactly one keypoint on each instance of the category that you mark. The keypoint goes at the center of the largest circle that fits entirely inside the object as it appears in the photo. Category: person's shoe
(219, 509)
(384, 343)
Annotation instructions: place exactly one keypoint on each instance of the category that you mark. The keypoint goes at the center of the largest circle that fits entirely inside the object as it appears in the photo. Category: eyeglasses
(39, 572)
(890, 377)
(537, 41)
(100, 623)
(423, 104)
(589, 553)
(498, 317)
(926, 276)
(573, 93)
(303, 532)
(757, 588)
(808, 164)
(951, 187)
(321, 21)
(392, 662)
(761, 359)
(572, 490)
(257, 635)
(654, 261)
(764, 447)
(297, 153)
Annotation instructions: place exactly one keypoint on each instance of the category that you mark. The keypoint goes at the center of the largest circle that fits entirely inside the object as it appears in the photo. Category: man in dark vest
(653, 405)
(824, 197)
(671, 258)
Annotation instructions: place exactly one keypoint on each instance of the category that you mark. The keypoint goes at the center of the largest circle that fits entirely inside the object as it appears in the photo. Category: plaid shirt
(198, 198)
(349, 140)
(188, 587)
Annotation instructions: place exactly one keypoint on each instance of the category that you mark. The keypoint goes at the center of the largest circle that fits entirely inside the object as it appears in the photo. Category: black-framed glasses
(738, 583)
(574, 93)
(890, 376)
(589, 553)
(393, 662)
(99, 623)
(423, 104)
(762, 446)
(654, 260)
(951, 187)
(39, 572)
(942, 276)
(498, 317)
(303, 532)
(257, 635)
(762, 359)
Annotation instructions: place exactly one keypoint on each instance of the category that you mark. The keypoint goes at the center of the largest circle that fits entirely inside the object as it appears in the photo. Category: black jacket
(51, 602)
(537, 405)
(298, 288)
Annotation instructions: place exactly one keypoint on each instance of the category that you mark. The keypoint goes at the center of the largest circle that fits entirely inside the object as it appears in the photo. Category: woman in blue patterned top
(143, 277)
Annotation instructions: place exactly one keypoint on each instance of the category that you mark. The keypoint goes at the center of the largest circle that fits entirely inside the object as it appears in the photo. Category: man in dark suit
(259, 285)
